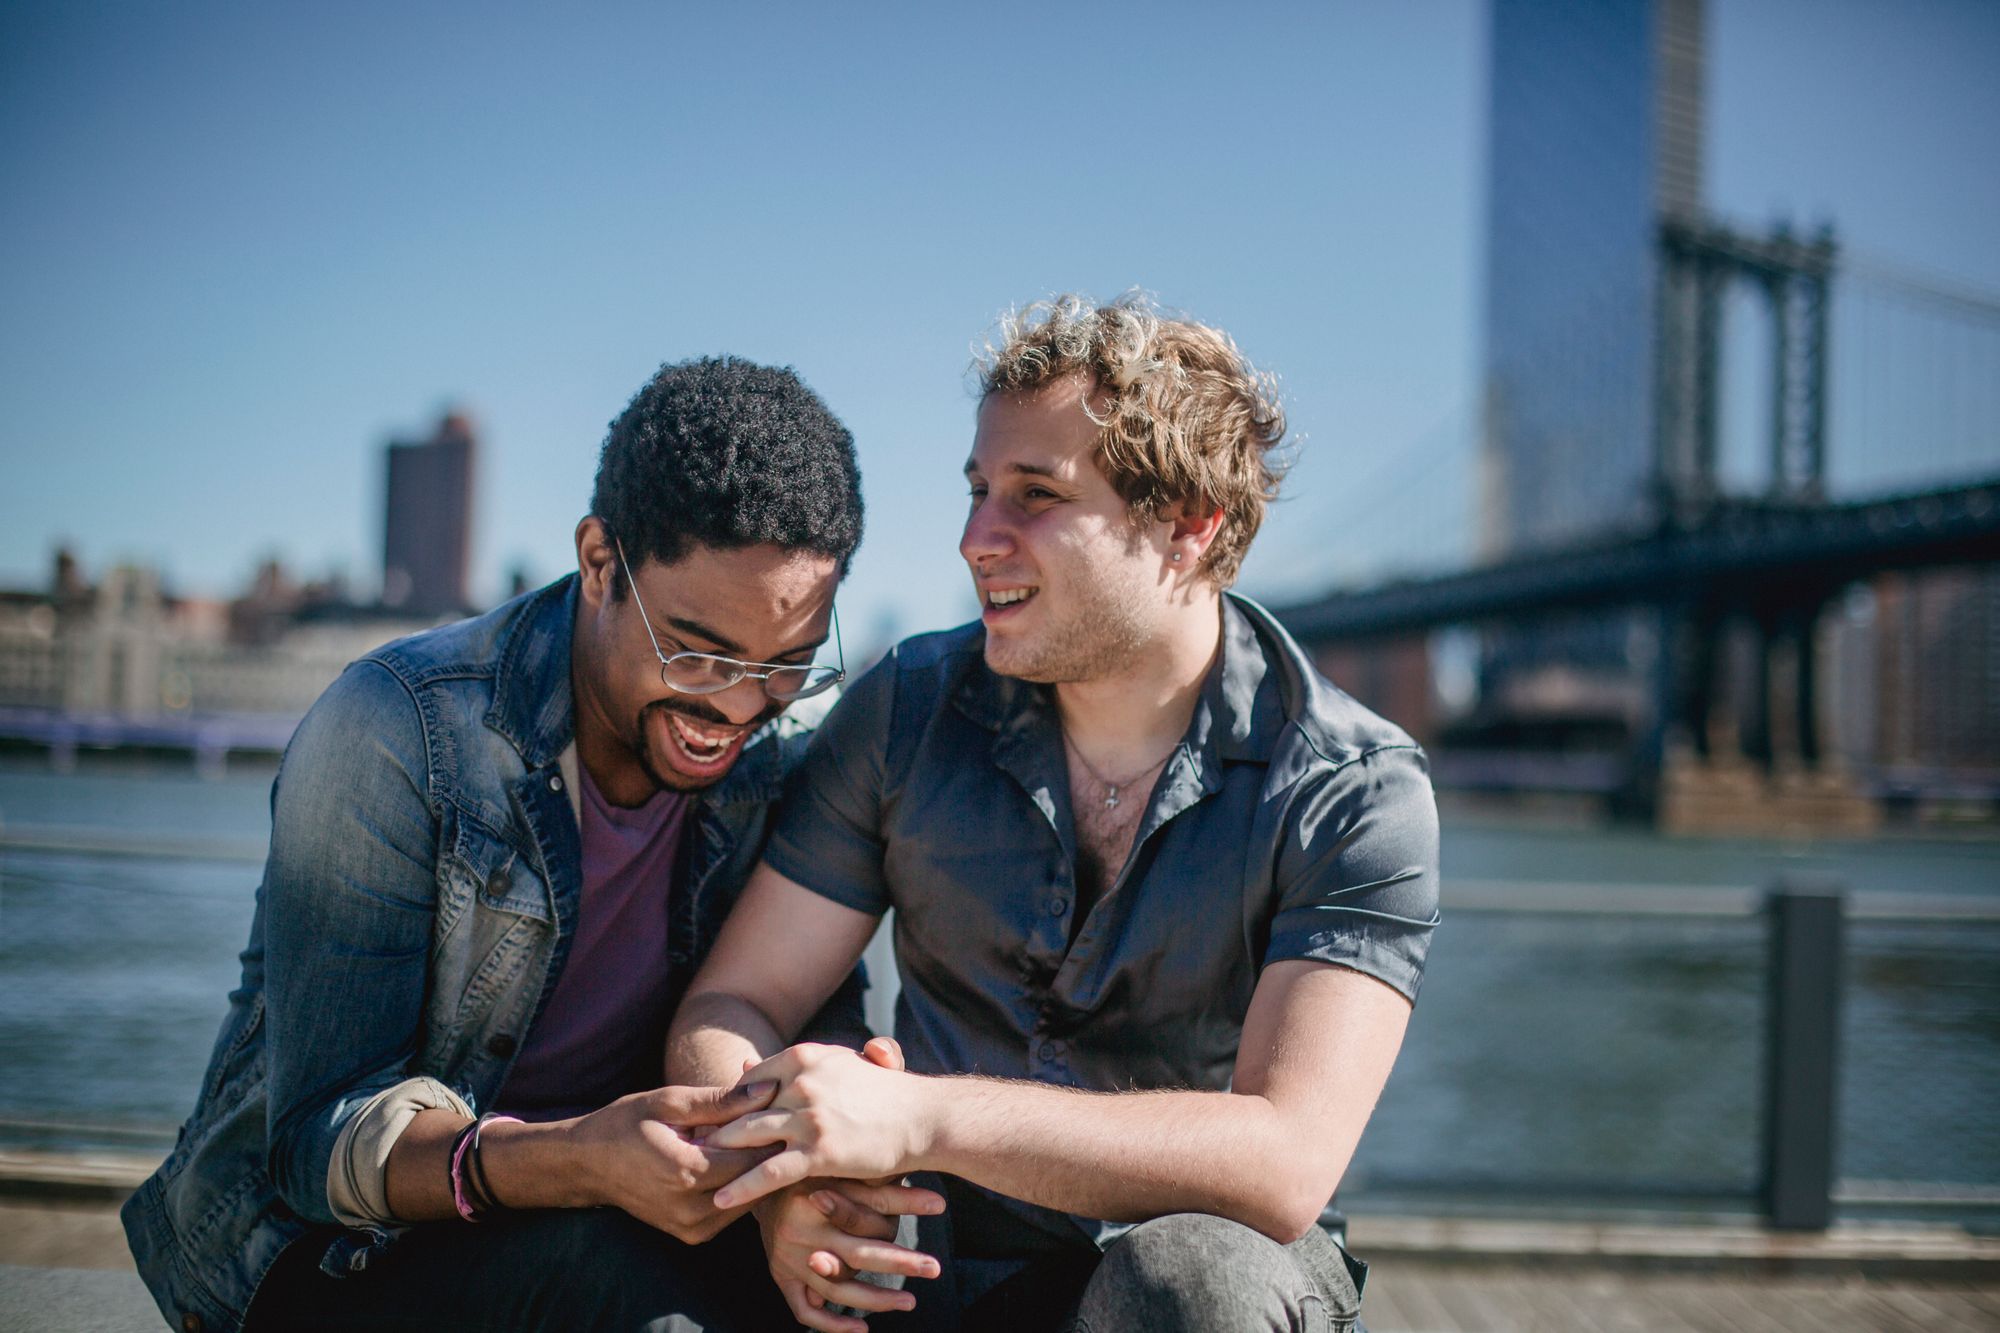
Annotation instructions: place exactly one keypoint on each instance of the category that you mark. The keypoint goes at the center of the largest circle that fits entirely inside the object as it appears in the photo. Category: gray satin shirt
(1290, 823)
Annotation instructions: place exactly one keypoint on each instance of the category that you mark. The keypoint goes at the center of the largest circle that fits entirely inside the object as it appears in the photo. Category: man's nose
(987, 534)
(741, 703)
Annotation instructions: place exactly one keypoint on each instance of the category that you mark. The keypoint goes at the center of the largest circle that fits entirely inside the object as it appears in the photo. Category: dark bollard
(1801, 1052)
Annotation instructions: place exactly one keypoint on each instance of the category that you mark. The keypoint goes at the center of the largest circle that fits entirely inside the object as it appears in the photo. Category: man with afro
(499, 850)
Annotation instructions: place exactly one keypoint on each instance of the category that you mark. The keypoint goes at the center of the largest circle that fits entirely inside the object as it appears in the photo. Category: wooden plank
(1727, 1306)
(1421, 1310)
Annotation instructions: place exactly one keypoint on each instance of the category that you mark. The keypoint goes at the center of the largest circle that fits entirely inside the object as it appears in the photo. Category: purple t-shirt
(602, 1033)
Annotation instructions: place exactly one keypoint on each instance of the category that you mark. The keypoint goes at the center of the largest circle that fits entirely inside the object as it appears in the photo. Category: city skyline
(233, 278)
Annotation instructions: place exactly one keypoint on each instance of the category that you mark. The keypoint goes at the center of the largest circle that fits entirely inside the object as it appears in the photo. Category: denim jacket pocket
(478, 868)
(494, 923)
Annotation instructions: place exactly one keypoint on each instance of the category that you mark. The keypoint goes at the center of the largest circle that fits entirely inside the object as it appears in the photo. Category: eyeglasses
(712, 673)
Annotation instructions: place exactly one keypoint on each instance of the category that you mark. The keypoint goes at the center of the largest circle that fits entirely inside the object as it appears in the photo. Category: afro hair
(726, 453)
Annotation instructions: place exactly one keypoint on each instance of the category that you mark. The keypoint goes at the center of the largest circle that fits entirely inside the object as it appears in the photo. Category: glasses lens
(788, 684)
(698, 673)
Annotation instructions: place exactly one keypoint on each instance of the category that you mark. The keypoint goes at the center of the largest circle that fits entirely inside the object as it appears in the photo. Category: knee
(1191, 1271)
(595, 1240)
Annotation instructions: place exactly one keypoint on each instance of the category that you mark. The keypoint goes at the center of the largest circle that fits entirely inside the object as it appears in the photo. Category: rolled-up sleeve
(349, 898)
(829, 834)
(1358, 874)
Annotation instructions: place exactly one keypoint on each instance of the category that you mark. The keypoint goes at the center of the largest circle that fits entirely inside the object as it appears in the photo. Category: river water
(1570, 1053)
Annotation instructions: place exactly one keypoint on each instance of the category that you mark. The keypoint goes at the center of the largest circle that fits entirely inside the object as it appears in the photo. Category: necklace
(1111, 788)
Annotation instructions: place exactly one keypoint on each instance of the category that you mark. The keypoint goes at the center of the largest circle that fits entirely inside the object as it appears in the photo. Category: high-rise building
(427, 520)
(1595, 135)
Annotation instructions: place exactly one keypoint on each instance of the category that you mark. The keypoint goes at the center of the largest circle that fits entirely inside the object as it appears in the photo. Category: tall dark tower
(1596, 135)
(427, 520)
(1596, 129)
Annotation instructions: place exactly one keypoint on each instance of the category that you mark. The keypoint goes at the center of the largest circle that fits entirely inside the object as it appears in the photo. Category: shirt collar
(1238, 717)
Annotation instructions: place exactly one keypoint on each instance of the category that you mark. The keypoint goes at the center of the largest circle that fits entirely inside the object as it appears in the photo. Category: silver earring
(1177, 557)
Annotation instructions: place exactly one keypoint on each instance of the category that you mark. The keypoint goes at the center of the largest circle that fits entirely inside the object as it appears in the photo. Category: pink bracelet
(475, 1161)
(458, 1199)
(478, 1204)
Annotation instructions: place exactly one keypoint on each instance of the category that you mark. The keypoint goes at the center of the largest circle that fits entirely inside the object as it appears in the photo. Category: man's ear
(1192, 532)
(596, 560)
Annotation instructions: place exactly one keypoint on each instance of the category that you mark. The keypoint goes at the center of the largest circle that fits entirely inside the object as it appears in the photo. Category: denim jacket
(417, 904)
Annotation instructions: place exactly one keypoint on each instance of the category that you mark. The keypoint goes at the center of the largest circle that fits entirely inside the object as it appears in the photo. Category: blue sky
(241, 245)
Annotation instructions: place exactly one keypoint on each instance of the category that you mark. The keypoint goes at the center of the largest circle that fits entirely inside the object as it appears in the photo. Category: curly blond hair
(1184, 419)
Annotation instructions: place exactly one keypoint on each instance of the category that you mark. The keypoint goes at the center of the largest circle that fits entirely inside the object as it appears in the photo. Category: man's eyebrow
(683, 625)
(1029, 469)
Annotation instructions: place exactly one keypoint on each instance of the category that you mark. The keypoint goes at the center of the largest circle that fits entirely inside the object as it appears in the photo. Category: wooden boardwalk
(63, 1265)
(1409, 1296)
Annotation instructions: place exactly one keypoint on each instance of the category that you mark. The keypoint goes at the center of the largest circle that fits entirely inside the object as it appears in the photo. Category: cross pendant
(1111, 798)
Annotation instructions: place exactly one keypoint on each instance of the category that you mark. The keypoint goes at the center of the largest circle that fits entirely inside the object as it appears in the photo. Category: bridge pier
(1762, 769)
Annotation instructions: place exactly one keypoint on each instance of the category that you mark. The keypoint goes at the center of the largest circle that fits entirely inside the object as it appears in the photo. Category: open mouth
(702, 747)
(999, 599)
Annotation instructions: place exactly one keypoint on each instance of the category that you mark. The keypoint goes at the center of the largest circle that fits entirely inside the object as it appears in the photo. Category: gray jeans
(1199, 1274)
(1185, 1272)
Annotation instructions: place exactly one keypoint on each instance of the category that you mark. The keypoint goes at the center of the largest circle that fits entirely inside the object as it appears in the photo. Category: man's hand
(641, 1156)
(818, 1235)
(836, 1114)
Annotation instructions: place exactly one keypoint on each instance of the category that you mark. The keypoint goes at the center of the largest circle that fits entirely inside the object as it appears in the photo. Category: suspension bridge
(1818, 420)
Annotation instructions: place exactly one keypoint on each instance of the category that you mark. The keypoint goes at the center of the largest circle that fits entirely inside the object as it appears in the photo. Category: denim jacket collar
(532, 706)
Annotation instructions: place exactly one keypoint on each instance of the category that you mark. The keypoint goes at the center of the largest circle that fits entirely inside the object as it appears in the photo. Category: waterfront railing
(1800, 1030)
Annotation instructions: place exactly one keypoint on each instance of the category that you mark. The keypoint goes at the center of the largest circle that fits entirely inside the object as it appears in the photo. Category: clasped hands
(827, 1200)
(800, 1140)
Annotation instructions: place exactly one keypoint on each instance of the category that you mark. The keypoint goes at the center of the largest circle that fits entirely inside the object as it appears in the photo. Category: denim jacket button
(555, 783)
(190, 1322)
(496, 885)
(501, 1046)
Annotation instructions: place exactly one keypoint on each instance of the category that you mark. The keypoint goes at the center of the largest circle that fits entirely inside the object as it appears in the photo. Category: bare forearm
(529, 1166)
(712, 1036)
(1132, 1156)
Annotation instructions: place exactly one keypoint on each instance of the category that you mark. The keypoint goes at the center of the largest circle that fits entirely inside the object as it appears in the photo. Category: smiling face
(756, 603)
(1070, 587)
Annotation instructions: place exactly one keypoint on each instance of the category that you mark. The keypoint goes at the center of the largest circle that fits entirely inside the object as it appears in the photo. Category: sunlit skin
(642, 1153)
(1119, 619)
(1124, 631)
(634, 734)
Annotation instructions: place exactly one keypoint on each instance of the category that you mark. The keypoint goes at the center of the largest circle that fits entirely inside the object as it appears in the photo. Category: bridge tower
(1699, 263)
(1735, 736)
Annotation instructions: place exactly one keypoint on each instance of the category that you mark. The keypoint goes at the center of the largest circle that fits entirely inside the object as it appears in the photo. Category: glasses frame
(761, 672)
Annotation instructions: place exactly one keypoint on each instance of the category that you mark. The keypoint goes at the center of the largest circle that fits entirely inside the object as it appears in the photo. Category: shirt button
(1058, 905)
(501, 1046)
(1048, 1051)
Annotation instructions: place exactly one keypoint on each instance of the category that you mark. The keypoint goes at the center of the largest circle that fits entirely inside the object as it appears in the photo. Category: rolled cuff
(357, 1175)
(1389, 948)
(843, 872)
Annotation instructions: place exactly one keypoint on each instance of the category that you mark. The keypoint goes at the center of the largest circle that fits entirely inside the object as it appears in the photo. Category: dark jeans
(596, 1270)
